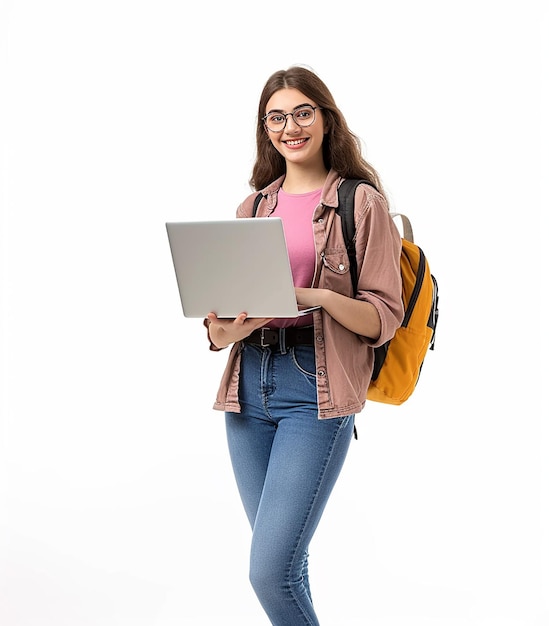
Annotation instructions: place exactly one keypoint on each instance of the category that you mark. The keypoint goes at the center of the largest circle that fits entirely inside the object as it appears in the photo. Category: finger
(241, 318)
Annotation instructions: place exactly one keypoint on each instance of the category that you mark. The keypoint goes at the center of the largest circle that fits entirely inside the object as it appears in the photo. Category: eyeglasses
(303, 116)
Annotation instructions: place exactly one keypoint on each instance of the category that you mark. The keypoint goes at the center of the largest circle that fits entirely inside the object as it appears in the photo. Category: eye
(304, 113)
(275, 118)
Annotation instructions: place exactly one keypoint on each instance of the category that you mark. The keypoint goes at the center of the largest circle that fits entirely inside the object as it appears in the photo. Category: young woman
(292, 387)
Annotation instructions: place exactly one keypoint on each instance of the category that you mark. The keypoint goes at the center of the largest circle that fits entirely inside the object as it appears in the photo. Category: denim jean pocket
(304, 360)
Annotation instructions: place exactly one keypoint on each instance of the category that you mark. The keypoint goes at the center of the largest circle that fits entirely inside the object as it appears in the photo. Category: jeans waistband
(278, 337)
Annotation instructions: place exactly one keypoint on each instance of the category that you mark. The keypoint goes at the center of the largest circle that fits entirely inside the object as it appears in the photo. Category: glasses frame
(303, 106)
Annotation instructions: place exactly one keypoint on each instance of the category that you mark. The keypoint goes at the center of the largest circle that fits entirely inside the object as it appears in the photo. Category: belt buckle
(262, 338)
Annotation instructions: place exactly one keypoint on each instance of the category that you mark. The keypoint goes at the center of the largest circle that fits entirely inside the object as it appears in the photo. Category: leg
(286, 462)
(306, 459)
(250, 433)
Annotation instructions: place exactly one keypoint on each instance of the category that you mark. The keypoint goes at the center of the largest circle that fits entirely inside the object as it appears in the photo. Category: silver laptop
(233, 266)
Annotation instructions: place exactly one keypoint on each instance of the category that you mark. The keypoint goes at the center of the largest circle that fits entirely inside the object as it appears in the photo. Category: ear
(326, 124)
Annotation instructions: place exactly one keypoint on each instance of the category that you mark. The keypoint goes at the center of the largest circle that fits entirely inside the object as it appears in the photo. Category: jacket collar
(327, 198)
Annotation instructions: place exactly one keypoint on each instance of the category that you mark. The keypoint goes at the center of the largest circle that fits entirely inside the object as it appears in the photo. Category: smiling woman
(291, 387)
(111, 124)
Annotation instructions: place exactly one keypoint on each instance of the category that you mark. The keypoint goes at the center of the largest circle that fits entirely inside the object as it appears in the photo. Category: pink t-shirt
(296, 212)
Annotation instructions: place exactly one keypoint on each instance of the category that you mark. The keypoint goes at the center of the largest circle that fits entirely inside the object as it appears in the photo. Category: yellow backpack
(398, 362)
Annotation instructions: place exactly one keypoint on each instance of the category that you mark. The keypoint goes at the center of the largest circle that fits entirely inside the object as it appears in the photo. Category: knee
(265, 578)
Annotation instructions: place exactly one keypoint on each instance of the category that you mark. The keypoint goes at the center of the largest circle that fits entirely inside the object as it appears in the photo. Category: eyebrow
(305, 104)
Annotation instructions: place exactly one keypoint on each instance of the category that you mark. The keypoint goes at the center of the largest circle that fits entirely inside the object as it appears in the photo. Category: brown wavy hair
(341, 148)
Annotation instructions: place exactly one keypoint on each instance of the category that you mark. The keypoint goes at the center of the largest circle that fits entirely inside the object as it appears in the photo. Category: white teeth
(295, 142)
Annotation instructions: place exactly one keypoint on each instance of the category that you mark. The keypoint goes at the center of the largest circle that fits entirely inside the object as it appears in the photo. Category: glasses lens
(304, 116)
(275, 121)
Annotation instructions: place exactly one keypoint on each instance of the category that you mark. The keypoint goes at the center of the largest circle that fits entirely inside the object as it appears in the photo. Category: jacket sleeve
(378, 248)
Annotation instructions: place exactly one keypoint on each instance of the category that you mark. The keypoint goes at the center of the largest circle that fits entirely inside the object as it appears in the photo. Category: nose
(291, 126)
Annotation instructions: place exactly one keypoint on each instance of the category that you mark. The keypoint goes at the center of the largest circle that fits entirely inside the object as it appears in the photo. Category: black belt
(293, 336)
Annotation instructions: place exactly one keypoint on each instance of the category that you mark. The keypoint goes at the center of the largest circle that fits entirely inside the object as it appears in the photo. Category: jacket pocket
(336, 260)
(335, 271)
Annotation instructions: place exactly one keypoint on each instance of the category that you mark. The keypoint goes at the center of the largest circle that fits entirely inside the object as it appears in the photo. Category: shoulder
(367, 196)
(369, 204)
(365, 199)
(371, 213)
(246, 208)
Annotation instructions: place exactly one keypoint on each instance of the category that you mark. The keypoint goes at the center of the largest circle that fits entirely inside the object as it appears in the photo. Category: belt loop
(282, 340)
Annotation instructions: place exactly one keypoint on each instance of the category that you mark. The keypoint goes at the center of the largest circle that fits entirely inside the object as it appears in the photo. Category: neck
(300, 180)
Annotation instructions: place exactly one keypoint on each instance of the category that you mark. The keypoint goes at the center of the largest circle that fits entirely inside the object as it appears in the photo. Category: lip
(301, 141)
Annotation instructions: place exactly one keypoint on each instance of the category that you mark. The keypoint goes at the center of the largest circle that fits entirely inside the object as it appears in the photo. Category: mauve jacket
(344, 360)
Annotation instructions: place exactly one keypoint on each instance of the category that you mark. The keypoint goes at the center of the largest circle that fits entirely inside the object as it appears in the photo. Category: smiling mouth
(295, 142)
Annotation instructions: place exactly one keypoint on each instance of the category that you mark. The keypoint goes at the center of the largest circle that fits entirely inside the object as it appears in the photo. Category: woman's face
(297, 144)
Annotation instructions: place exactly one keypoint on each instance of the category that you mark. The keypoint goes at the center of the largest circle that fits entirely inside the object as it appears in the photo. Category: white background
(118, 504)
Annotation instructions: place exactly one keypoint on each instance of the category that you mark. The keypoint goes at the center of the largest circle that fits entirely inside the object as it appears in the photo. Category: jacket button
(321, 372)
(319, 338)
(341, 267)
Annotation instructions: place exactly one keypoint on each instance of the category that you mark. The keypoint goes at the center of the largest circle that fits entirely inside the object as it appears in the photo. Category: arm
(357, 316)
(376, 310)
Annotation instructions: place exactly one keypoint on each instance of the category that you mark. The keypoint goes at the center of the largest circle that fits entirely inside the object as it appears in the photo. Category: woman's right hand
(223, 331)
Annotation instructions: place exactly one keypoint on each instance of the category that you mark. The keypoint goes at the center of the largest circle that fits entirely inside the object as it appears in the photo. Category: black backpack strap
(256, 203)
(346, 211)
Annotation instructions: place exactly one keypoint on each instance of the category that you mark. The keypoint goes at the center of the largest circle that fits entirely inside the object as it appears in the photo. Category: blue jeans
(286, 462)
